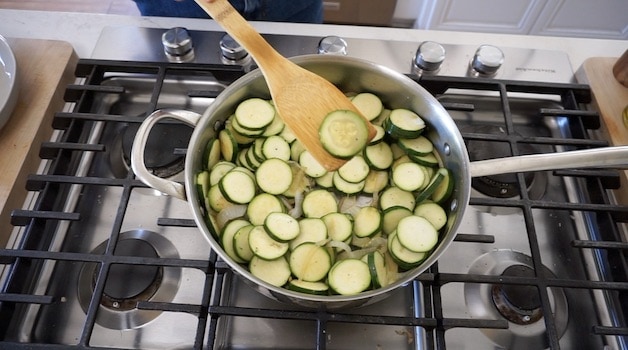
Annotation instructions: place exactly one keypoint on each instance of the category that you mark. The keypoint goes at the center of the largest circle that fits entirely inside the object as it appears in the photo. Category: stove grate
(25, 261)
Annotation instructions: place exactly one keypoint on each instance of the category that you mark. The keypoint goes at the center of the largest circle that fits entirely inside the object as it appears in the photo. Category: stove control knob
(429, 56)
(231, 50)
(178, 45)
(332, 45)
(487, 60)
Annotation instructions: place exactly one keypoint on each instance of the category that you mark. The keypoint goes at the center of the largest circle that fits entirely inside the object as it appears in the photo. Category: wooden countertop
(44, 68)
(609, 98)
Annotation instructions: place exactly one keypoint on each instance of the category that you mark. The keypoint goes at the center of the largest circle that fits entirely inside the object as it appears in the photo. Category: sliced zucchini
(281, 226)
(368, 104)
(310, 230)
(419, 146)
(203, 183)
(345, 186)
(435, 182)
(392, 216)
(262, 205)
(379, 135)
(274, 176)
(212, 153)
(310, 165)
(377, 266)
(316, 288)
(429, 160)
(276, 147)
(215, 200)
(367, 222)
(404, 123)
(254, 114)
(288, 135)
(319, 203)
(310, 262)
(401, 160)
(433, 213)
(275, 127)
(397, 151)
(404, 258)
(417, 234)
(326, 181)
(296, 148)
(275, 272)
(227, 241)
(408, 176)
(394, 197)
(264, 246)
(355, 170)
(379, 156)
(241, 245)
(228, 145)
(445, 188)
(239, 138)
(339, 226)
(343, 133)
(376, 181)
(258, 153)
(349, 276)
(381, 117)
(247, 132)
(237, 186)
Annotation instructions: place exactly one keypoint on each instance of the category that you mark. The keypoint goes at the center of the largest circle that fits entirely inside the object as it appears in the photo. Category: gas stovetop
(98, 260)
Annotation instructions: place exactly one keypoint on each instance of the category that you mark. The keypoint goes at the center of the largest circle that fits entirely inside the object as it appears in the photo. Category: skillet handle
(598, 157)
(138, 165)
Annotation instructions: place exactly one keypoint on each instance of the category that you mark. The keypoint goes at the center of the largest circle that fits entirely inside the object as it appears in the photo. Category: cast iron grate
(38, 223)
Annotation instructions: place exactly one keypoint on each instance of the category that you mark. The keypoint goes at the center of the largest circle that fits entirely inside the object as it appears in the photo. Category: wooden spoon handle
(241, 31)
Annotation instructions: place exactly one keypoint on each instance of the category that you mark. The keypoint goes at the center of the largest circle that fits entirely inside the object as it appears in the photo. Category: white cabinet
(584, 18)
(575, 18)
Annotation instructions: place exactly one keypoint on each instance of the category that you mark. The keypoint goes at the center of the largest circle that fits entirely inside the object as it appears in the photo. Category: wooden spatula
(301, 98)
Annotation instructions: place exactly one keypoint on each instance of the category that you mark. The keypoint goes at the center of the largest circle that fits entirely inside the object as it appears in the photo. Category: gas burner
(502, 185)
(517, 304)
(163, 150)
(128, 284)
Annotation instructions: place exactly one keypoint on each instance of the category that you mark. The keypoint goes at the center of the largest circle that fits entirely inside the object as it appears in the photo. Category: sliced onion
(230, 213)
(351, 204)
(392, 270)
(339, 245)
(346, 203)
(297, 210)
(356, 254)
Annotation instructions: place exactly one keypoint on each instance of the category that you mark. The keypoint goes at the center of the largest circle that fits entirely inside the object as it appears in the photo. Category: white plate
(8, 81)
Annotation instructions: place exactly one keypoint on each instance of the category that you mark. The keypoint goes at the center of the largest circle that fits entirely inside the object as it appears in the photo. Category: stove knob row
(332, 45)
(487, 60)
(177, 44)
(231, 50)
(429, 56)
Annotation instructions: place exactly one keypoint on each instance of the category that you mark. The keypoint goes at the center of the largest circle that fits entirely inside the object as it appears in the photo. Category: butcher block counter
(45, 67)
(610, 98)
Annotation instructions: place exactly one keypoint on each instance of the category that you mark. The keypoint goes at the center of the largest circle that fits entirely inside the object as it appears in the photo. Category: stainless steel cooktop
(527, 270)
